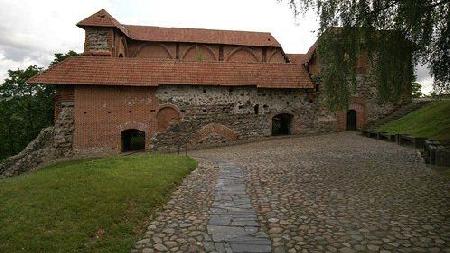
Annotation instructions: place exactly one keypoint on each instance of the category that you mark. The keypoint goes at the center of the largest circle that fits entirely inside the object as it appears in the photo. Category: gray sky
(31, 31)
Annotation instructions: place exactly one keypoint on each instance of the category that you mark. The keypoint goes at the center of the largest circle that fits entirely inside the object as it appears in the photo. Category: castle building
(158, 88)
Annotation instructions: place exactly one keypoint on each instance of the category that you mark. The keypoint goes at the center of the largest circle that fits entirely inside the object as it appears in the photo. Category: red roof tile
(311, 51)
(102, 19)
(297, 58)
(195, 35)
(144, 72)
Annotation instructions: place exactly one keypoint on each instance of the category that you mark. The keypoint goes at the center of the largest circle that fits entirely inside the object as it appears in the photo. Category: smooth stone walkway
(233, 225)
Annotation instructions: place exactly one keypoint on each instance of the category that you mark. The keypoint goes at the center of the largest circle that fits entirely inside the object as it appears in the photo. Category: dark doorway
(351, 120)
(133, 140)
(281, 124)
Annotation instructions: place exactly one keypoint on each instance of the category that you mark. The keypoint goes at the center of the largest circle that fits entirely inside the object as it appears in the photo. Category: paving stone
(181, 225)
(232, 221)
(326, 190)
(322, 193)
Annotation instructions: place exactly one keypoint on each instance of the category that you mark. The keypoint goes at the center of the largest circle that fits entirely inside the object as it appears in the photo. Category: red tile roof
(311, 51)
(102, 19)
(297, 58)
(195, 35)
(144, 72)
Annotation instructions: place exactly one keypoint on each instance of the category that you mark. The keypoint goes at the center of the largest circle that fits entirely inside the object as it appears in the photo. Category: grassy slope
(86, 206)
(432, 121)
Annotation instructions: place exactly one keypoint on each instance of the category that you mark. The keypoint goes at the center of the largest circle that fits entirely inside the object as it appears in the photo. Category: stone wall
(51, 143)
(364, 101)
(212, 116)
(98, 40)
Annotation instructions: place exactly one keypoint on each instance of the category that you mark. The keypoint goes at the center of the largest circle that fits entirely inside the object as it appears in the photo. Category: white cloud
(32, 31)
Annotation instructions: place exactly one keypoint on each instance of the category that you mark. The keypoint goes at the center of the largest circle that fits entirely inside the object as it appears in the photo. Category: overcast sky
(32, 31)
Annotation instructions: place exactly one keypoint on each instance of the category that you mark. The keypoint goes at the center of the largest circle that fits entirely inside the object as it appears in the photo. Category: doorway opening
(133, 140)
(281, 124)
(351, 120)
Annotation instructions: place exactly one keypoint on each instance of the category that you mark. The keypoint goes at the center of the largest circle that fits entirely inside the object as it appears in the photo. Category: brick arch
(167, 115)
(359, 106)
(239, 50)
(133, 125)
(216, 131)
(159, 51)
(130, 125)
(203, 48)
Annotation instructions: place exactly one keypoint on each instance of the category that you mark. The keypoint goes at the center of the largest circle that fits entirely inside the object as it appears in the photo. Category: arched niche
(242, 54)
(166, 116)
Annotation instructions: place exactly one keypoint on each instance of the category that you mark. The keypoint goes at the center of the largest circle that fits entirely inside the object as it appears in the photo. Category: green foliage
(432, 121)
(24, 109)
(87, 206)
(338, 61)
(425, 24)
(61, 57)
(416, 90)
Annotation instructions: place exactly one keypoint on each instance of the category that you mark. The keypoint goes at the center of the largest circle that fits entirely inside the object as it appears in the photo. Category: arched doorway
(133, 140)
(351, 120)
(281, 124)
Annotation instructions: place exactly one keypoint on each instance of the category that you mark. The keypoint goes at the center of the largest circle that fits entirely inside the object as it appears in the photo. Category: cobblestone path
(328, 193)
(233, 224)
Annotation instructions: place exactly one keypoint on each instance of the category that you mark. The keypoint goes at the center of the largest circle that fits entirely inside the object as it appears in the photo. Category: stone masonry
(237, 113)
(52, 143)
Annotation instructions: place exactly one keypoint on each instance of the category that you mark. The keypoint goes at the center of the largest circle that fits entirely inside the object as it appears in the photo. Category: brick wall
(204, 52)
(63, 94)
(103, 112)
(169, 115)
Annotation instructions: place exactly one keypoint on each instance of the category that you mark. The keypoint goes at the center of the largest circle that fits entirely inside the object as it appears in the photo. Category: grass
(432, 122)
(96, 205)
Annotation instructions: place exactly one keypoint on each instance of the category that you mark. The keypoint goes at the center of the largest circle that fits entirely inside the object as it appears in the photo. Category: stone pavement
(328, 193)
(233, 224)
(181, 225)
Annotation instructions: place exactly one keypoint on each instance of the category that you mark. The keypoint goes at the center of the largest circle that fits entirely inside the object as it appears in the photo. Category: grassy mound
(86, 206)
(432, 121)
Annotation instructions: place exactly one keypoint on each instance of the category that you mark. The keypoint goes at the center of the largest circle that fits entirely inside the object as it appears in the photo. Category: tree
(24, 109)
(61, 57)
(416, 90)
(381, 27)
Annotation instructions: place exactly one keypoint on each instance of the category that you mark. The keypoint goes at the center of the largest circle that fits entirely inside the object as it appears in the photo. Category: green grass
(432, 122)
(96, 205)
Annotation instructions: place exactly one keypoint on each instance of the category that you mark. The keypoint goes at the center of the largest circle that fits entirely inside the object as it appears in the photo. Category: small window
(120, 55)
(256, 108)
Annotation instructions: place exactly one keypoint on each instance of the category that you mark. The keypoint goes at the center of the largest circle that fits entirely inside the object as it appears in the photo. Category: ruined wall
(103, 112)
(212, 116)
(51, 143)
